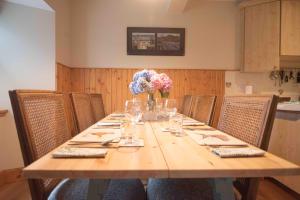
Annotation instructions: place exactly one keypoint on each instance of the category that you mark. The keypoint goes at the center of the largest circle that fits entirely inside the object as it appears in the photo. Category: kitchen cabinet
(270, 35)
(285, 143)
(290, 28)
(262, 33)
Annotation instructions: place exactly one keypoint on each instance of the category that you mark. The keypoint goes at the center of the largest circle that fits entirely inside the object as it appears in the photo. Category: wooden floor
(267, 191)
(15, 191)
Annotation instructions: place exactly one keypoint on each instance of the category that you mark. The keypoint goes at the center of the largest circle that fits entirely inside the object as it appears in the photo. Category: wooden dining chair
(83, 110)
(249, 118)
(70, 114)
(40, 118)
(187, 105)
(41, 123)
(98, 106)
(203, 108)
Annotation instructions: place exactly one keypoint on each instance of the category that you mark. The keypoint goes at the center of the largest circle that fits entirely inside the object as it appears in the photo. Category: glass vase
(150, 102)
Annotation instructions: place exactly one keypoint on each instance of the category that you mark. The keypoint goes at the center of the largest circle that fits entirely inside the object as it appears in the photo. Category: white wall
(99, 33)
(63, 30)
(27, 61)
(261, 83)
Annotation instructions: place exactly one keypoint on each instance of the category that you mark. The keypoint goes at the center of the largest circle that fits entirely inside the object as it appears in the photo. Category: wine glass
(133, 111)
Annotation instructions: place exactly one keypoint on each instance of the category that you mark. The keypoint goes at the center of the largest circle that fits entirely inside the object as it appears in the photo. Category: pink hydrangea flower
(156, 81)
(166, 83)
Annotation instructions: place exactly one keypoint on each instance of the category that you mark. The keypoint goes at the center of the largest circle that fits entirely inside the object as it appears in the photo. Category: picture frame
(156, 41)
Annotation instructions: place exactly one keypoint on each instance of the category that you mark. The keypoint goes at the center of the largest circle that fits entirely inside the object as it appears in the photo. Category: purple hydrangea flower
(145, 85)
(140, 74)
(142, 82)
(135, 88)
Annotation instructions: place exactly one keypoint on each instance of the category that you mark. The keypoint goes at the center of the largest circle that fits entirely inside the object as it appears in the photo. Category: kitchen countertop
(289, 106)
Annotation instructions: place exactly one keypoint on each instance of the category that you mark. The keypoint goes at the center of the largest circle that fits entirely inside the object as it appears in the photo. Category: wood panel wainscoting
(63, 78)
(10, 176)
(113, 83)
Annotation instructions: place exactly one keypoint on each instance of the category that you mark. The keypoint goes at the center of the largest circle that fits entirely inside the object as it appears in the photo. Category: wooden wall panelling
(63, 78)
(92, 82)
(103, 85)
(206, 82)
(113, 84)
(77, 80)
(87, 80)
(10, 176)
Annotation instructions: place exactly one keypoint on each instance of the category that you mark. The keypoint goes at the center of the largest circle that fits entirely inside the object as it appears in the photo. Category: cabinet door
(290, 28)
(261, 37)
(285, 143)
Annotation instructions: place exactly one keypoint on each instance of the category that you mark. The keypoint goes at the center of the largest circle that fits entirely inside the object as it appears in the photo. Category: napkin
(95, 138)
(108, 123)
(238, 152)
(73, 152)
(214, 138)
(136, 143)
(117, 115)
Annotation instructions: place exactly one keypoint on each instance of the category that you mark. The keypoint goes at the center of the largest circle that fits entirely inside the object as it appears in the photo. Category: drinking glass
(175, 123)
(171, 107)
(133, 112)
(158, 105)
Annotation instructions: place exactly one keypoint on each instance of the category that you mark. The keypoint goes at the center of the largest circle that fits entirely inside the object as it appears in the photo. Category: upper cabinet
(270, 34)
(261, 37)
(290, 28)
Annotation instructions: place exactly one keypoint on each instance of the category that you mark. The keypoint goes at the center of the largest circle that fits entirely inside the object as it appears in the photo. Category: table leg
(223, 189)
(97, 188)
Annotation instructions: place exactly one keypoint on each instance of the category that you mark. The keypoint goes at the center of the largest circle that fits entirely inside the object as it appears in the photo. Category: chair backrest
(70, 114)
(203, 108)
(187, 105)
(41, 123)
(83, 110)
(98, 106)
(249, 118)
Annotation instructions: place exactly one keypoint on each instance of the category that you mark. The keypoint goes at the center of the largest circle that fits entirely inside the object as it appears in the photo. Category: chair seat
(179, 189)
(127, 189)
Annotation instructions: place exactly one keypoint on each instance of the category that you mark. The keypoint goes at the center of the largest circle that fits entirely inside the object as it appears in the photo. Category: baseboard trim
(11, 176)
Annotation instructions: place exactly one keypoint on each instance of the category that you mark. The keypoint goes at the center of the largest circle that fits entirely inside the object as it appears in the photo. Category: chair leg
(97, 188)
(251, 190)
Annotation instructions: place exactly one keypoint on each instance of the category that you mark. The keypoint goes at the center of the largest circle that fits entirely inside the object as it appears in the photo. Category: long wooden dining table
(163, 156)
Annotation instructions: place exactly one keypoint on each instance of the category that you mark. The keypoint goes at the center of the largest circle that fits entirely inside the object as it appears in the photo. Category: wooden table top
(164, 155)
(187, 159)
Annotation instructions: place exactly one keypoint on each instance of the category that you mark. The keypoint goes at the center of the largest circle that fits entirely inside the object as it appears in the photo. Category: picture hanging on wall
(155, 41)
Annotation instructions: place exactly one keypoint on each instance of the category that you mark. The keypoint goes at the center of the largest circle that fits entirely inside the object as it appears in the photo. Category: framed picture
(155, 41)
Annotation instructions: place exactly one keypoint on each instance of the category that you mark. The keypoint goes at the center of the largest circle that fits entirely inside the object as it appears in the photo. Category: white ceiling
(33, 3)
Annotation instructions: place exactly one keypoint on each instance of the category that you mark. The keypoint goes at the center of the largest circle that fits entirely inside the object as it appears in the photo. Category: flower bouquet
(149, 81)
